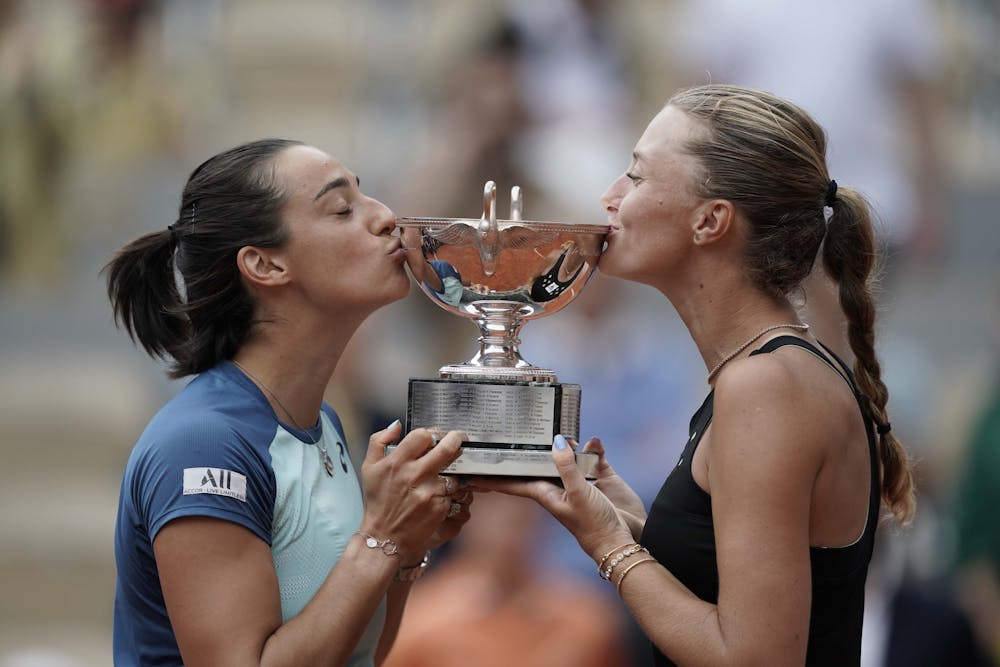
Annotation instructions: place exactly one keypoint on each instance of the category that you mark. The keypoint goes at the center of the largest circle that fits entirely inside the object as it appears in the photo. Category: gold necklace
(324, 456)
(729, 357)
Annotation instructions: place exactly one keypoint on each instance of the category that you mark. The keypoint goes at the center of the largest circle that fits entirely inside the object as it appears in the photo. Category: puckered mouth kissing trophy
(500, 274)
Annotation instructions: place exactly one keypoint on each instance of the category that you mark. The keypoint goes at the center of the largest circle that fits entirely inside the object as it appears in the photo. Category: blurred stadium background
(107, 105)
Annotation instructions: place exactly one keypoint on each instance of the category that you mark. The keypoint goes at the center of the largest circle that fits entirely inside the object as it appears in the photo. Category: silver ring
(454, 509)
(449, 486)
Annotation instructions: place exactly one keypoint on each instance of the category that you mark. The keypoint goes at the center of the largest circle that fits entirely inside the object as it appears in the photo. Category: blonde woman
(756, 550)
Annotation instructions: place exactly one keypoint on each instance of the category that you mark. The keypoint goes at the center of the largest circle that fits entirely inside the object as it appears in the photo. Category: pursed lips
(396, 247)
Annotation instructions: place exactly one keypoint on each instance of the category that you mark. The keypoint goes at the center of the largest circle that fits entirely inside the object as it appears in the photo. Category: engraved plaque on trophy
(500, 274)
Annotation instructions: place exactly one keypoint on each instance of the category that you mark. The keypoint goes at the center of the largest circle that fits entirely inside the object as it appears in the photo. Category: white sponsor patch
(217, 481)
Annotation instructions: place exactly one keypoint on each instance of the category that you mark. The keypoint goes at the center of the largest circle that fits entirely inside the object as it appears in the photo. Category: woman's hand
(406, 498)
(578, 505)
(626, 501)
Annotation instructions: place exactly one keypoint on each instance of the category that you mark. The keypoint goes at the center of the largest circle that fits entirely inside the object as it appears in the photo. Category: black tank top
(679, 533)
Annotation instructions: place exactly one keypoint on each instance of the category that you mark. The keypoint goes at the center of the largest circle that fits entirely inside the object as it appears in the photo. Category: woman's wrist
(410, 573)
(386, 545)
(609, 545)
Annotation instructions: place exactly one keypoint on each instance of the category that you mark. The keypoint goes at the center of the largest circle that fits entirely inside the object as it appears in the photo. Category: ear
(262, 266)
(715, 219)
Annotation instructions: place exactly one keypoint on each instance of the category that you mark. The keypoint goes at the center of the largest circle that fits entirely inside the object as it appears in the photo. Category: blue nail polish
(559, 442)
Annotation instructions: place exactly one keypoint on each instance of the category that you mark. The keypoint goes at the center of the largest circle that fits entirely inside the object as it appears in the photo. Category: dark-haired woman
(244, 536)
(756, 550)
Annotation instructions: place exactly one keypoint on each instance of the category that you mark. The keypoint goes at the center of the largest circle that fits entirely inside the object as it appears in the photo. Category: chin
(608, 267)
(398, 286)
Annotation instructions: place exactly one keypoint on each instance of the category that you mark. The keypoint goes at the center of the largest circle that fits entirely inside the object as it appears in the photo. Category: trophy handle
(516, 205)
(489, 232)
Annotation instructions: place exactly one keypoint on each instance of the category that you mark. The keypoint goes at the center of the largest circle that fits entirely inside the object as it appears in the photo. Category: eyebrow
(341, 182)
(637, 156)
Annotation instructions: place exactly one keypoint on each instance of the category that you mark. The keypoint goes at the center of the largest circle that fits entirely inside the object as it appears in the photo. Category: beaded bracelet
(634, 549)
(628, 569)
(605, 557)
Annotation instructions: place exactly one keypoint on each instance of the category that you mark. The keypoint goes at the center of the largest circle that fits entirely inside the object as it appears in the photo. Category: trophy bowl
(500, 274)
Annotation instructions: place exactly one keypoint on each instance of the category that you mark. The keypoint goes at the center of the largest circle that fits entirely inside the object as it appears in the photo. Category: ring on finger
(449, 486)
(454, 509)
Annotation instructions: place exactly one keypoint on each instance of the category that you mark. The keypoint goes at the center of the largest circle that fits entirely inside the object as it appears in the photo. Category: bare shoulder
(770, 409)
(773, 384)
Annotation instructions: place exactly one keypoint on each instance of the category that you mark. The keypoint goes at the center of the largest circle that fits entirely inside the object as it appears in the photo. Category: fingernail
(559, 442)
(392, 425)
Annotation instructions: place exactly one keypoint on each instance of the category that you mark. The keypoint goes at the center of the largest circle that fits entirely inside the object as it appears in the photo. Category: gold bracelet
(613, 563)
(628, 569)
(604, 559)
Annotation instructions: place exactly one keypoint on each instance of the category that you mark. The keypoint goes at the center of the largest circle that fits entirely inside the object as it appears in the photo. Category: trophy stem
(499, 324)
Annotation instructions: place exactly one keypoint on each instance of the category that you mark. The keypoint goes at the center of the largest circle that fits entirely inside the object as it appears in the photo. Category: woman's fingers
(565, 460)
(380, 440)
(594, 446)
(443, 453)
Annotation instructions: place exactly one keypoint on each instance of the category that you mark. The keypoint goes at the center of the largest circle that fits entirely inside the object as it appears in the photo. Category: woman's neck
(723, 315)
(293, 365)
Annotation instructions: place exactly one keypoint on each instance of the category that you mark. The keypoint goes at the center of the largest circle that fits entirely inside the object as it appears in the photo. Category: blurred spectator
(39, 73)
(977, 497)
(911, 623)
(575, 86)
(493, 604)
(80, 105)
(472, 138)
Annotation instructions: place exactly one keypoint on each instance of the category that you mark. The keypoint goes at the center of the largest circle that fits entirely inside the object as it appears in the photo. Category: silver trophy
(500, 274)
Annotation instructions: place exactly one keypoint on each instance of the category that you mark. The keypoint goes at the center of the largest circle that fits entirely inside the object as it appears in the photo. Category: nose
(384, 218)
(612, 196)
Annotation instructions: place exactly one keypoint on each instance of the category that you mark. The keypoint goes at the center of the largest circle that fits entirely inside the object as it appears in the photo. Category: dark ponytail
(849, 257)
(178, 292)
(144, 296)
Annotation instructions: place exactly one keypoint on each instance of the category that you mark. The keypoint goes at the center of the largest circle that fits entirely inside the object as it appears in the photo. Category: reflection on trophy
(500, 273)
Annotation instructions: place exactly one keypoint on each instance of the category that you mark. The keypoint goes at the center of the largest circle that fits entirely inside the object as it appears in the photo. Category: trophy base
(510, 424)
(513, 463)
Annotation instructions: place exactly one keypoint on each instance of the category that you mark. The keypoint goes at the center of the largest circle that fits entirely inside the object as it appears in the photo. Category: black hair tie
(882, 429)
(831, 194)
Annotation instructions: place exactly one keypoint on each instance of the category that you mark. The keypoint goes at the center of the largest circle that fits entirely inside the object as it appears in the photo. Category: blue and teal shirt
(218, 450)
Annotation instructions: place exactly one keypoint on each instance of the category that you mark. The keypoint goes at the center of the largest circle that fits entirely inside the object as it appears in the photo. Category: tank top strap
(782, 341)
(845, 372)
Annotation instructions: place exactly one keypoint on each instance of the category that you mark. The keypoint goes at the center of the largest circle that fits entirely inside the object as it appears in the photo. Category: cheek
(648, 243)
(638, 210)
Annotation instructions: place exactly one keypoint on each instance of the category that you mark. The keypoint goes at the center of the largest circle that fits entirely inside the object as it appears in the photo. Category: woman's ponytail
(849, 257)
(143, 293)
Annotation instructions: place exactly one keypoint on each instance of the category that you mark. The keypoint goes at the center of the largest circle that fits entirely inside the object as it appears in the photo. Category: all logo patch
(217, 481)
